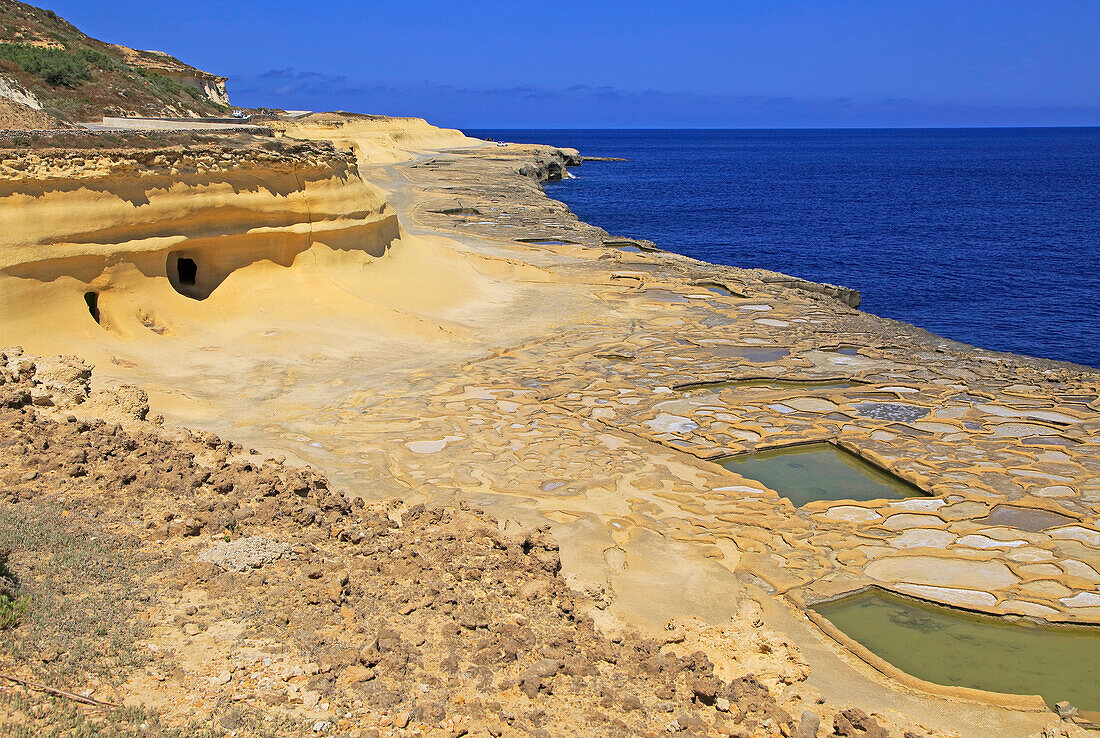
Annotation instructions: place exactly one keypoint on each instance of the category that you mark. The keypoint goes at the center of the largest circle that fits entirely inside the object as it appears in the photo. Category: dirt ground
(17, 116)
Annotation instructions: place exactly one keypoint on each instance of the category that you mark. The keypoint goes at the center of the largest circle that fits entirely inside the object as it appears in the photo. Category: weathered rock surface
(381, 615)
(503, 355)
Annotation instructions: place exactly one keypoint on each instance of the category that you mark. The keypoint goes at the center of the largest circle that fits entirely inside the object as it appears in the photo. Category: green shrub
(166, 85)
(12, 607)
(98, 59)
(12, 610)
(58, 67)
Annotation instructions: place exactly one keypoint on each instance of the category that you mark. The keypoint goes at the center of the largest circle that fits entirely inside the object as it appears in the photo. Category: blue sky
(702, 64)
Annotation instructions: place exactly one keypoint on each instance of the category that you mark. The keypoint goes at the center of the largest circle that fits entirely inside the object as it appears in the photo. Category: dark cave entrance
(187, 270)
(92, 300)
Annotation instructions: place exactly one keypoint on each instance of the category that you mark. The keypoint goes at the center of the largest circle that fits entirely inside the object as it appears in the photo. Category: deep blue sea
(986, 236)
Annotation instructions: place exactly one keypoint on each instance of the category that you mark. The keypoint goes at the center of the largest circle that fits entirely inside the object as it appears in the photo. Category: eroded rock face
(217, 208)
(15, 92)
(744, 642)
(548, 165)
(61, 382)
(64, 383)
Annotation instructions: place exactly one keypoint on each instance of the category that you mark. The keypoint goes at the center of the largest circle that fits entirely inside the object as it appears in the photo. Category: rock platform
(589, 421)
(490, 350)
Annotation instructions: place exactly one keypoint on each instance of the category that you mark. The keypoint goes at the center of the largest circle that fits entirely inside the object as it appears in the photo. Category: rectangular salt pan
(820, 471)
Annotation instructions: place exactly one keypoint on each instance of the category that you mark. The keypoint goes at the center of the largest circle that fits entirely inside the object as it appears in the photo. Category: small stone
(1065, 710)
(401, 719)
(855, 723)
(808, 725)
(705, 688)
(310, 699)
(356, 673)
(530, 684)
(691, 722)
(546, 668)
(721, 704)
(222, 678)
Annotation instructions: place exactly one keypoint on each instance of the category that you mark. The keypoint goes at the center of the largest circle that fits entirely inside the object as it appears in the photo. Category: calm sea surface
(986, 236)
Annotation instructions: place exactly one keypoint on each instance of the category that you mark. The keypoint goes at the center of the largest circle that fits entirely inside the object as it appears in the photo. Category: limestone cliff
(169, 250)
(79, 222)
(211, 86)
(376, 138)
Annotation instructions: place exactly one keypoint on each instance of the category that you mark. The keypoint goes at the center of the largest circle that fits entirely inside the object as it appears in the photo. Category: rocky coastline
(481, 495)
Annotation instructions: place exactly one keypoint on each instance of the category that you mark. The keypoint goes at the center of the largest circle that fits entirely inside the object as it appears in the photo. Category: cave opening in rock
(187, 270)
(92, 301)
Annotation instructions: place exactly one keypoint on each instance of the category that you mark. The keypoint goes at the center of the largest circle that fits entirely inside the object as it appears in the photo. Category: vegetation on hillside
(57, 67)
(12, 605)
(80, 78)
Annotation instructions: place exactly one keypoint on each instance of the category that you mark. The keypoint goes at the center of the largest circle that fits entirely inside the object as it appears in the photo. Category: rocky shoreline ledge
(519, 523)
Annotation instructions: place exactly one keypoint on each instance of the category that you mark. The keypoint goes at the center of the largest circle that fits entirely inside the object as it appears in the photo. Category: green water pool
(957, 648)
(819, 471)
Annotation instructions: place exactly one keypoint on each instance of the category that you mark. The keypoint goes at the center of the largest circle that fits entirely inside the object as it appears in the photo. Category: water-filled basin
(953, 647)
(720, 289)
(819, 471)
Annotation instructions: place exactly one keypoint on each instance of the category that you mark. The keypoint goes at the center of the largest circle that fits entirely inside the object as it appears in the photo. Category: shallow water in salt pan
(819, 471)
(957, 648)
(720, 289)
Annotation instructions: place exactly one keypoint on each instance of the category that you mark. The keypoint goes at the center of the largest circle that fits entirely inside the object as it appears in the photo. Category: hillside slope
(49, 64)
